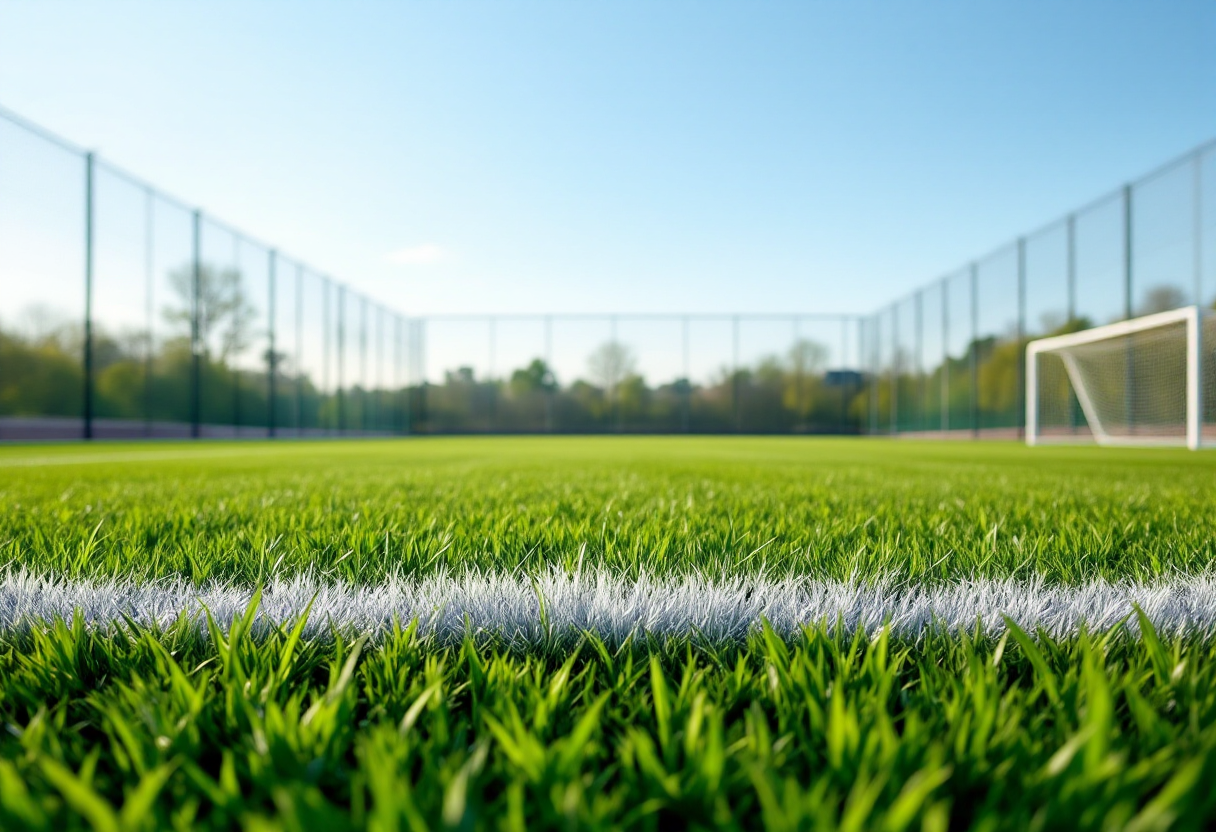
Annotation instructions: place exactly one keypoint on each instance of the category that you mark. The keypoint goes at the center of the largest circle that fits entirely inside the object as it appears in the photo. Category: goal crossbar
(1191, 316)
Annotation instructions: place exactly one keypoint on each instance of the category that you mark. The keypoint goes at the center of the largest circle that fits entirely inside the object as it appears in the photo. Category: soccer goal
(1136, 382)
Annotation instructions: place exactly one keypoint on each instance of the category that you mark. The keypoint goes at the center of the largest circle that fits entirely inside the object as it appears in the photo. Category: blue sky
(624, 156)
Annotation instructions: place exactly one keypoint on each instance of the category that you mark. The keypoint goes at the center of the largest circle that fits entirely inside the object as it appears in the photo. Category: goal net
(1143, 381)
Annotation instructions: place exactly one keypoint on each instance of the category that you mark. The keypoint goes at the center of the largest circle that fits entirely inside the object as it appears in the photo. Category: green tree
(225, 313)
(610, 364)
(537, 377)
(806, 363)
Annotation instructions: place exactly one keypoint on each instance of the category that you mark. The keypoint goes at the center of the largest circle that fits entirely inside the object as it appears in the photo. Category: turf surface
(222, 724)
(831, 508)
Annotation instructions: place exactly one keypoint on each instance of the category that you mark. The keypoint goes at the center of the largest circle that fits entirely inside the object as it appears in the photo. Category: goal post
(1136, 382)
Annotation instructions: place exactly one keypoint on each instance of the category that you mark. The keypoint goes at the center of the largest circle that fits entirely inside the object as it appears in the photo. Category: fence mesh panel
(125, 313)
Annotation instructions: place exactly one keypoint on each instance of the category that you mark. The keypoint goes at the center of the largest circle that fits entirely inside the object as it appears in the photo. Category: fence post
(341, 334)
(360, 381)
(974, 352)
(1072, 267)
(874, 347)
(421, 359)
(1021, 335)
(1072, 307)
(922, 381)
(734, 373)
(299, 363)
(272, 359)
(687, 397)
(383, 420)
(87, 421)
(1127, 252)
(1197, 212)
(549, 369)
(491, 385)
(363, 397)
(236, 372)
(863, 366)
(196, 347)
(410, 375)
(945, 414)
(1129, 380)
(895, 361)
(845, 389)
(326, 358)
(149, 280)
(400, 419)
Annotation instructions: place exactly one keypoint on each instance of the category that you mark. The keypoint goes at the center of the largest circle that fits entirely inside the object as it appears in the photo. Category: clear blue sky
(624, 156)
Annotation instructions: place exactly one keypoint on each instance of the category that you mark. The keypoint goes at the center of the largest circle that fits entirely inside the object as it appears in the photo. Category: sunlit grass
(831, 508)
(229, 722)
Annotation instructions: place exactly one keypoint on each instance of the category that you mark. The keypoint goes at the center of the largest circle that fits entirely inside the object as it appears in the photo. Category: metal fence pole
(272, 360)
(236, 372)
(945, 382)
(388, 419)
(363, 391)
(845, 389)
(491, 386)
(299, 362)
(734, 372)
(408, 326)
(149, 305)
(895, 368)
(1129, 380)
(686, 398)
(1021, 336)
(922, 381)
(1072, 309)
(87, 414)
(860, 362)
(1072, 268)
(860, 324)
(422, 374)
(327, 336)
(549, 370)
(974, 351)
(341, 334)
(1127, 252)
(196, 347)
(382, 421)
(400, 419)
(874, 346)
(614, 394)
(377, 383)
(1197, 218)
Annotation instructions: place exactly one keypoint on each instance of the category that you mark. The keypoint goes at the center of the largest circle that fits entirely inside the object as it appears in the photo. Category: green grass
(215, 728)
(720, 506)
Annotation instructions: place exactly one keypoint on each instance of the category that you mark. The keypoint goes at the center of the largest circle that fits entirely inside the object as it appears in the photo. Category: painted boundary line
(535, 610)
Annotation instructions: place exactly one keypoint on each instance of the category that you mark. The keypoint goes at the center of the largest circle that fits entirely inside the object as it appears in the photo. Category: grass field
(541, 649)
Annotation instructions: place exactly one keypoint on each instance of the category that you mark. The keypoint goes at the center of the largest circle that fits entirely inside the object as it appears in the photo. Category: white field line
(449, 607)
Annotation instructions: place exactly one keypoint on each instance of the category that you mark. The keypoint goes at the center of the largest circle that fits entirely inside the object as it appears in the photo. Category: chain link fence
(948, 360)
(127, 313)
(639, 374)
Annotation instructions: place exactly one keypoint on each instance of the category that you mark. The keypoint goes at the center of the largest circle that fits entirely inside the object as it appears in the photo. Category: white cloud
(417, 255)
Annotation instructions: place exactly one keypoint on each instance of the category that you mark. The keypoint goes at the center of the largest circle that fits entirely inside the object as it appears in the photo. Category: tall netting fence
(126, 313)
(42, 299)
(950, 359)
(638, 374)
